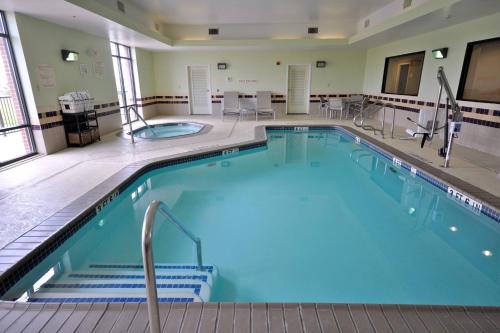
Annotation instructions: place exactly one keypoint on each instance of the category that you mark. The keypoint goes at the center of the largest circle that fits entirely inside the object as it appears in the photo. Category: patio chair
(231, 104)
(323, 106)
(335, 105)
(264, 105)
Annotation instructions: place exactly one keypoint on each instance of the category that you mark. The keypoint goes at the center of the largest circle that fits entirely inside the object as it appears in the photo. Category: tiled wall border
(472, 115)
(23, 254)
(50, 119)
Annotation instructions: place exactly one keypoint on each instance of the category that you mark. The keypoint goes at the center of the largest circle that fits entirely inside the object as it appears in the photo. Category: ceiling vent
(367, 23)
(312, 30)
(213, 31)
(121, 6)
(406, 3)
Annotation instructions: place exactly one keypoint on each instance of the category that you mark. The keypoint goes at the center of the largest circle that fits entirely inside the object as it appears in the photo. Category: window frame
(465, 70)
(128, 58)
(384, 78)
(4, 33)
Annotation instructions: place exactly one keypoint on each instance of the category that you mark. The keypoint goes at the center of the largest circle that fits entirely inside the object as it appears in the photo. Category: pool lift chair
(231, 104)
(452, 128)
(127, 113)
(366, 110)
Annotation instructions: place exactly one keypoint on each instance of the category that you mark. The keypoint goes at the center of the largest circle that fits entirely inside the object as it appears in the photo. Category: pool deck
(33, 191)
(247, 317)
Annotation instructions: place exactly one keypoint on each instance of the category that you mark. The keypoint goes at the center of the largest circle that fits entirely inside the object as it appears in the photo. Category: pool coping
(21, 255)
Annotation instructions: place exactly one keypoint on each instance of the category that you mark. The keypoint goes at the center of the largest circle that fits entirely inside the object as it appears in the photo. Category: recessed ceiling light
(487, 253)
(453, 228)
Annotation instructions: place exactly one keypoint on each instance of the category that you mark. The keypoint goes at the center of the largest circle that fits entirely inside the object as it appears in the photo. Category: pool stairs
(125, 283)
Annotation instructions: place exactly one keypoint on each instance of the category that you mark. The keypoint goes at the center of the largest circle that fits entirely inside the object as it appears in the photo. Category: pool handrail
(134, 108)
(148, 261)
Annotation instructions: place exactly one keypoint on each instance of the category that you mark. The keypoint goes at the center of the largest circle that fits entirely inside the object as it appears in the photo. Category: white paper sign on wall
(46, 75)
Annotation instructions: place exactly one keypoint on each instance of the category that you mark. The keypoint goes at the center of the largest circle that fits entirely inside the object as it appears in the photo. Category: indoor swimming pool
(168, 130)
(312, 217)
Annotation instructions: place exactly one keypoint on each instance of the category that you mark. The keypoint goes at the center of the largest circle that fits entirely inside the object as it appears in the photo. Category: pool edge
(53, 231)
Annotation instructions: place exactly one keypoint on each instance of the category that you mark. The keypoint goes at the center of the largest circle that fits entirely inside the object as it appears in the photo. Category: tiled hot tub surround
(204, 130)
(23, 254)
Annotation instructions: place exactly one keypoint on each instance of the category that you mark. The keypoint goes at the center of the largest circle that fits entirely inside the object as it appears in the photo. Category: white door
(298, 82)
(200, 96)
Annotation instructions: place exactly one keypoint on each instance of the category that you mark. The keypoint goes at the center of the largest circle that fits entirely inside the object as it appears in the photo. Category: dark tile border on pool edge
(20, 256)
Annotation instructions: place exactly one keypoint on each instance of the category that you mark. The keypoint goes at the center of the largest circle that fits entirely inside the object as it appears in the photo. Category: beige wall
(455, 38)
(42, 42)
(344, 71)
(144, 73)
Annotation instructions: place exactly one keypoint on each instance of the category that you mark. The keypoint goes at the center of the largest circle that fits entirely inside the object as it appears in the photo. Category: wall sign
(300, 129)
(46, 76)
(99, 69)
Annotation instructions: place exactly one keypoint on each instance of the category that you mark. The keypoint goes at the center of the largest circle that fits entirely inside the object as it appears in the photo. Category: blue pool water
(167, 130)
(312, 218)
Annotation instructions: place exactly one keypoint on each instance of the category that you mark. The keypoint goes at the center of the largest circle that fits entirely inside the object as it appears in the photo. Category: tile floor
(32, 191)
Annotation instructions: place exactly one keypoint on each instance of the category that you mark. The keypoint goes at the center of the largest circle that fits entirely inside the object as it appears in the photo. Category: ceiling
(259, 18)
(252, 24)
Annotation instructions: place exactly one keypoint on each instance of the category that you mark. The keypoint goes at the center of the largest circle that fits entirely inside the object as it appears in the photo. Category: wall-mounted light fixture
(221, 66)
(320, 64)
(68, 55)
(441, 53)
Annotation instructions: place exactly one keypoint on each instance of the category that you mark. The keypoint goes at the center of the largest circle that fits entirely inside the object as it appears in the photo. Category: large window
(402, 74)
(124, 76)
(480, 79)
(16, 139)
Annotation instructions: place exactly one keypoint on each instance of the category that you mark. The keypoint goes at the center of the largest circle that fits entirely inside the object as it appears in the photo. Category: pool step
(134, 276)
(125, 283)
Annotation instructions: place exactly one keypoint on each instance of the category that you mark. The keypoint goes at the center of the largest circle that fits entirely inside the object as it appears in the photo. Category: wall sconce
(320, 64)
(441, 53)
(68, 55)
(221, 66)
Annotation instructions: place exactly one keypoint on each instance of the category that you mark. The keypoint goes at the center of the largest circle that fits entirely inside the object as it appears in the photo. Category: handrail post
(198, 254)
(129, 120)
(149, 267)
(148, 261)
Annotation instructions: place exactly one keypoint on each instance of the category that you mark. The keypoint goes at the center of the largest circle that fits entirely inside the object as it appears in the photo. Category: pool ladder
(147, 256)
(365, 109)
(134, 108)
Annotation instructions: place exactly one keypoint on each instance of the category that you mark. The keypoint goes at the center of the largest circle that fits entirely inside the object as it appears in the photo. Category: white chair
(231, 106)
(335, 105)
(264, 105)
(323, 106)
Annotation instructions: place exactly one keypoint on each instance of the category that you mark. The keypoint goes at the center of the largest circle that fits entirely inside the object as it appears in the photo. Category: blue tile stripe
(158, 266)
(107, 299)
(195, 287)
(203, 278)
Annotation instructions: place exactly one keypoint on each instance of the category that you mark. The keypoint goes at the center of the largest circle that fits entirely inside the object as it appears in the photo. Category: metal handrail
(133, 108)
(377, 106)
(148, 261)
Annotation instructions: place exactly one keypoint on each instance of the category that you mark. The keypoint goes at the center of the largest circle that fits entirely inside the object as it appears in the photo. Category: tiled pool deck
(117, 153)
(246, 318)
